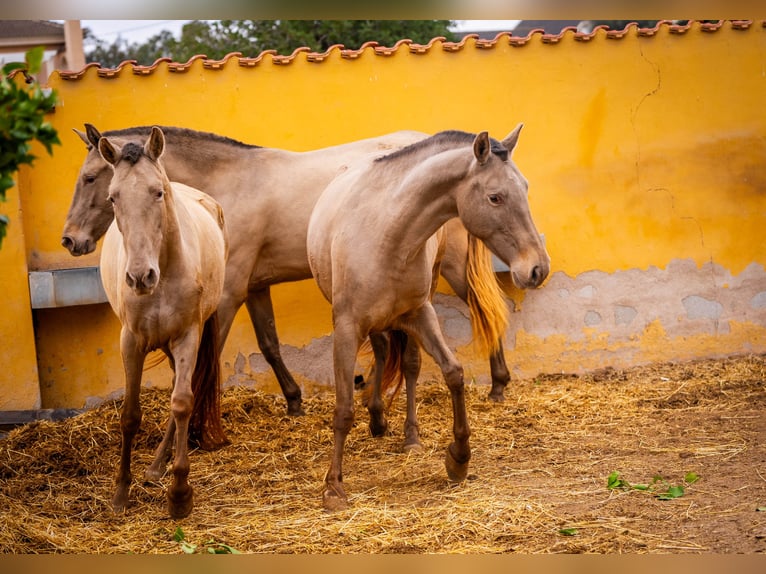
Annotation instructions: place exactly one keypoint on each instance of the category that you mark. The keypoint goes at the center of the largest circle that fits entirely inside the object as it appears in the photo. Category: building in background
(62, 42)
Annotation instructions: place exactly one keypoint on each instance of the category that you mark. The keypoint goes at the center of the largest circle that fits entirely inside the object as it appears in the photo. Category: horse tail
(205, 427)
(486, 300)
(392, 378)
(154, 359)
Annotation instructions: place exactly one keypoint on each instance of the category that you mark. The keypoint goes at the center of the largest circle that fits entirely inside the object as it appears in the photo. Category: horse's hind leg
(500, 374)
(346, 342)
(425, 326)
(162, 454)
(378, 422)
(411, 367)
(130, 417)
(262, 316)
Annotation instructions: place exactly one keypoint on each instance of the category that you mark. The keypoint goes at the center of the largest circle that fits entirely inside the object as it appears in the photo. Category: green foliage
(211, 546)
(217, 38)
(661, 488)
(22, 120)
(568, 531)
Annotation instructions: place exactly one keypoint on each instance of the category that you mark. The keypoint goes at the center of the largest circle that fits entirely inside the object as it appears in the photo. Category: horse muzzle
(532, 275)
(77, 246)
(142, 283)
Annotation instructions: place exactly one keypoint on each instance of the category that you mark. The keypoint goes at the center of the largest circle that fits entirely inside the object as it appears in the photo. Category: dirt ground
(539, 480)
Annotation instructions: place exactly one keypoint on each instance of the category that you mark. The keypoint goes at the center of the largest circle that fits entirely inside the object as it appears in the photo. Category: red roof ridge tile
(252, 62)
(351, 54)
(385, 51)
(184, 67)
(219, 64)
(319, 57)
(146, 70)
(457, 46)
(424, 48)
(114, 72)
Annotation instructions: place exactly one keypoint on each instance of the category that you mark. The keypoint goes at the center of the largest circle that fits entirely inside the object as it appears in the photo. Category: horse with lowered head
(373, 251)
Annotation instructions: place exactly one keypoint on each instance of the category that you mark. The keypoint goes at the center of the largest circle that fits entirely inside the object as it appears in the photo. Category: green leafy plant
(22, 120)
(211, 546)
(660, 487)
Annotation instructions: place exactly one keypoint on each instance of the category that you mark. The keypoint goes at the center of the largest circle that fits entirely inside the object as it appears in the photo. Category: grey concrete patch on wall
(685, 298)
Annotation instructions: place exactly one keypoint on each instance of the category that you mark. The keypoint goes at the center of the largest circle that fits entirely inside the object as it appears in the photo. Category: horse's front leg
(378, 422)
(130, 417)
(262, 316)
(425, 326)
(184, 351)
(500, 374)
(346, 342)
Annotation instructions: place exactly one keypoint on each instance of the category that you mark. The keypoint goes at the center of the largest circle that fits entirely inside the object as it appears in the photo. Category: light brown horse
(162, 266)
(372, 251)
(274, 190)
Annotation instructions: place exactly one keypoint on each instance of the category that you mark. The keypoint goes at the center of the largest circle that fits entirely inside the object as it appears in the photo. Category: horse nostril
(67, 242)
(151, 278)
(537, 275)
(130, 280)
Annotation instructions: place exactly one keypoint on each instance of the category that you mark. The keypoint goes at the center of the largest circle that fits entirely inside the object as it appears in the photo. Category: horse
(162, 266)
(372, 251)
(275, 190)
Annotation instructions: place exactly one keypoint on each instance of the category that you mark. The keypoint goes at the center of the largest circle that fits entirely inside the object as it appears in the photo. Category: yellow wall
(18, 378)
(641, 152)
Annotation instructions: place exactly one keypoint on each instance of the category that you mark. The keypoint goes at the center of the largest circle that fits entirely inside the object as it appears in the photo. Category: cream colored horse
(162, 266)
(372, 251)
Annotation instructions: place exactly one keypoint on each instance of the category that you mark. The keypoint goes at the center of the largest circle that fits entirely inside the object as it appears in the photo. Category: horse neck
(172, 241)
(426, 197)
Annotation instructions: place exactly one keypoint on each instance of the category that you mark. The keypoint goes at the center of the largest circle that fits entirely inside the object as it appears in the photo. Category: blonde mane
(486, 300)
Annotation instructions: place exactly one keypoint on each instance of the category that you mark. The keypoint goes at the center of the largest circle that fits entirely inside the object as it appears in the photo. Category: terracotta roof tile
(219, 64)
(467, 41)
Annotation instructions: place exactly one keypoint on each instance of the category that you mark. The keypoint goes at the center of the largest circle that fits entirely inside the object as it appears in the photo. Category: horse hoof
(378, 428)
(334, 498)
(180, 501)
(456, 471)
(152, 474)
(294, 409)
(413, 446)
(120, 499)
(496, 395)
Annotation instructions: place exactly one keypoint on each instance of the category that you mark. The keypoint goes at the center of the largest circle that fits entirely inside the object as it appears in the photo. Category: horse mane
(486, 300)
(176, 132)
(443, 140)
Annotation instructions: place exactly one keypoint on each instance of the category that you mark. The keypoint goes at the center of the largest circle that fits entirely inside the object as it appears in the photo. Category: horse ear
(482, 147)
(93, 135)
(83, 136)
(110, 154)
(156, 144)
(512, 138)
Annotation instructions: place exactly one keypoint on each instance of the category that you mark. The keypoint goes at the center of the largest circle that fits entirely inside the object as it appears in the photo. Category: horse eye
(158, 194)
(495, 199)
(90, 178)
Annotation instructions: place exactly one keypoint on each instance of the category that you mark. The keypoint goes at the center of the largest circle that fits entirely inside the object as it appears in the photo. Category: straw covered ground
(693, 433)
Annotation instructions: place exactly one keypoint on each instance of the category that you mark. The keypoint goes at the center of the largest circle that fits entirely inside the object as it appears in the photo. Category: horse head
(137, 192)
(493, 206)
(90, 213)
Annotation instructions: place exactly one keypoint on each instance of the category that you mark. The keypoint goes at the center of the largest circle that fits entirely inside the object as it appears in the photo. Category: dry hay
(537, 481)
